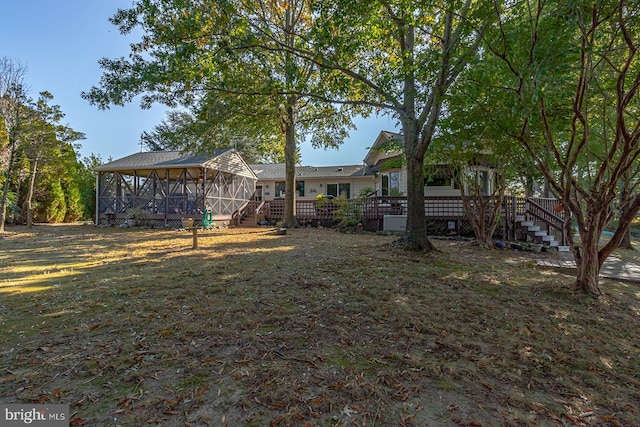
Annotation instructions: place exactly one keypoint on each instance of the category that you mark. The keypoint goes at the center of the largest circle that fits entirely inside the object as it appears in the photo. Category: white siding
(315, 186)
(230, 161)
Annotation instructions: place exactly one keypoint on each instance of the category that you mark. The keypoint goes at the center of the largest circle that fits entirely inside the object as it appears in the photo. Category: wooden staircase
(249, 219)
(248, 214)
(535, 218)
(535, 233)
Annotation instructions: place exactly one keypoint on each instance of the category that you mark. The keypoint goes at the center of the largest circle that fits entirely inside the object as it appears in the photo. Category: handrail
(239, 213)
(544, 215)
(260, 208)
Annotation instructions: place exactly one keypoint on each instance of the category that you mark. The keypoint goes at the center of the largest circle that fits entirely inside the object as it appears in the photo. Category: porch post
(505, 220)
(97, 218)
(514, 211)
(167, 193)
(204, 189)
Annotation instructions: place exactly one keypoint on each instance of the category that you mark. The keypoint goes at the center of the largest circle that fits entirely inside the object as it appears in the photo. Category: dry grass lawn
(317, 328)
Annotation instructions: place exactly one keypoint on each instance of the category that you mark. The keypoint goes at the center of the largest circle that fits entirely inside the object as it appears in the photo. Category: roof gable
(376, 152)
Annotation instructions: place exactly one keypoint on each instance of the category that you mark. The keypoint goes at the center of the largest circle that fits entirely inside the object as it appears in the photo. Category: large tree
(215, 53)
(401, 58)
(44, 140)
(574, 73)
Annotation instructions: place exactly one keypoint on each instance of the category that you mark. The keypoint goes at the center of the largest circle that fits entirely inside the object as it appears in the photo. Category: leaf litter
(315, 327)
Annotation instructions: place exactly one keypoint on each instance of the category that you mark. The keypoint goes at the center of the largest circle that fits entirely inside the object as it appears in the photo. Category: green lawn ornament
(207, 219)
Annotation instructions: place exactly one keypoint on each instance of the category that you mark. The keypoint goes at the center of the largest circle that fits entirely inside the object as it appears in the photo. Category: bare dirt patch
(316, 327)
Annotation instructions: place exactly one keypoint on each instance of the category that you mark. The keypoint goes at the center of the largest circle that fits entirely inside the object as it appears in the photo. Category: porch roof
(159, 160)
(222, 159)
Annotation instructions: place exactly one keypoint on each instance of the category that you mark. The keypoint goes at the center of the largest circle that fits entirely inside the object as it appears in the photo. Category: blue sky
(61, 42)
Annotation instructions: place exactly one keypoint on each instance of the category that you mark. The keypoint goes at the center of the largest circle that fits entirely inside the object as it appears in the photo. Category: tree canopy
(232, 64)
(571, 73)
(42, 177)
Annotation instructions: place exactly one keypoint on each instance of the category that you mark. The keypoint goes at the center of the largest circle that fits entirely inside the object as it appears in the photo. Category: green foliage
(140, 215)
(45, 157)
(236, 82)
(570, 75)
(52, 207)
(73, 199)
(87, 184)
(394, 163)
(366, 192)
(348, 212)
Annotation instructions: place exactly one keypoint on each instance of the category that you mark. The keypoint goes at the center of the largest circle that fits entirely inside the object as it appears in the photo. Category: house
(383, 172)
(384, 176)
(344, 181)
(166, 186)
(385, 160)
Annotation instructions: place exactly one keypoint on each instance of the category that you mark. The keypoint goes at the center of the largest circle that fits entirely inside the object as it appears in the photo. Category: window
(339, 190)
(483, 182)
(391, 184)
(281, 188)
(332, 190)
(438, 176)
(394, 183)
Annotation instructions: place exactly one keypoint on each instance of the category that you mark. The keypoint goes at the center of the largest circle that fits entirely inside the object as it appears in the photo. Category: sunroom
(164, 187)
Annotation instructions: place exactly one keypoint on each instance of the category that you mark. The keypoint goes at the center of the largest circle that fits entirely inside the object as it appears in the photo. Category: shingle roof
(277, 171)
(160, 160)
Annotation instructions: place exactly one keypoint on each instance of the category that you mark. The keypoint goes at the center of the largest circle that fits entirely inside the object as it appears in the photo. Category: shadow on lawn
(315, 327)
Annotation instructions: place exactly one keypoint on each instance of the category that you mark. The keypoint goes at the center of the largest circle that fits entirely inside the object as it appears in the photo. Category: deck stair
(249, 219)
(534, 232)
(248, 214)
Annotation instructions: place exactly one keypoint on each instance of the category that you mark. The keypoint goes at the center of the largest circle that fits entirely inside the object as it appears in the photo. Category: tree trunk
(290, 219)
(589, 264)
(589, 258)
(625, 243)
(482, 213)
(32, 182)
(415, 237)
(3, 202)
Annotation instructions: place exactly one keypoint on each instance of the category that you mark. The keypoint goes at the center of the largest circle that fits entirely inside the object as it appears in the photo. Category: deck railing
(450, 208)
(542, 211)
(445, 208)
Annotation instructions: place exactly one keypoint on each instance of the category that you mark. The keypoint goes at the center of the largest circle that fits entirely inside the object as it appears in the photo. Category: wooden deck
(371, 211)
